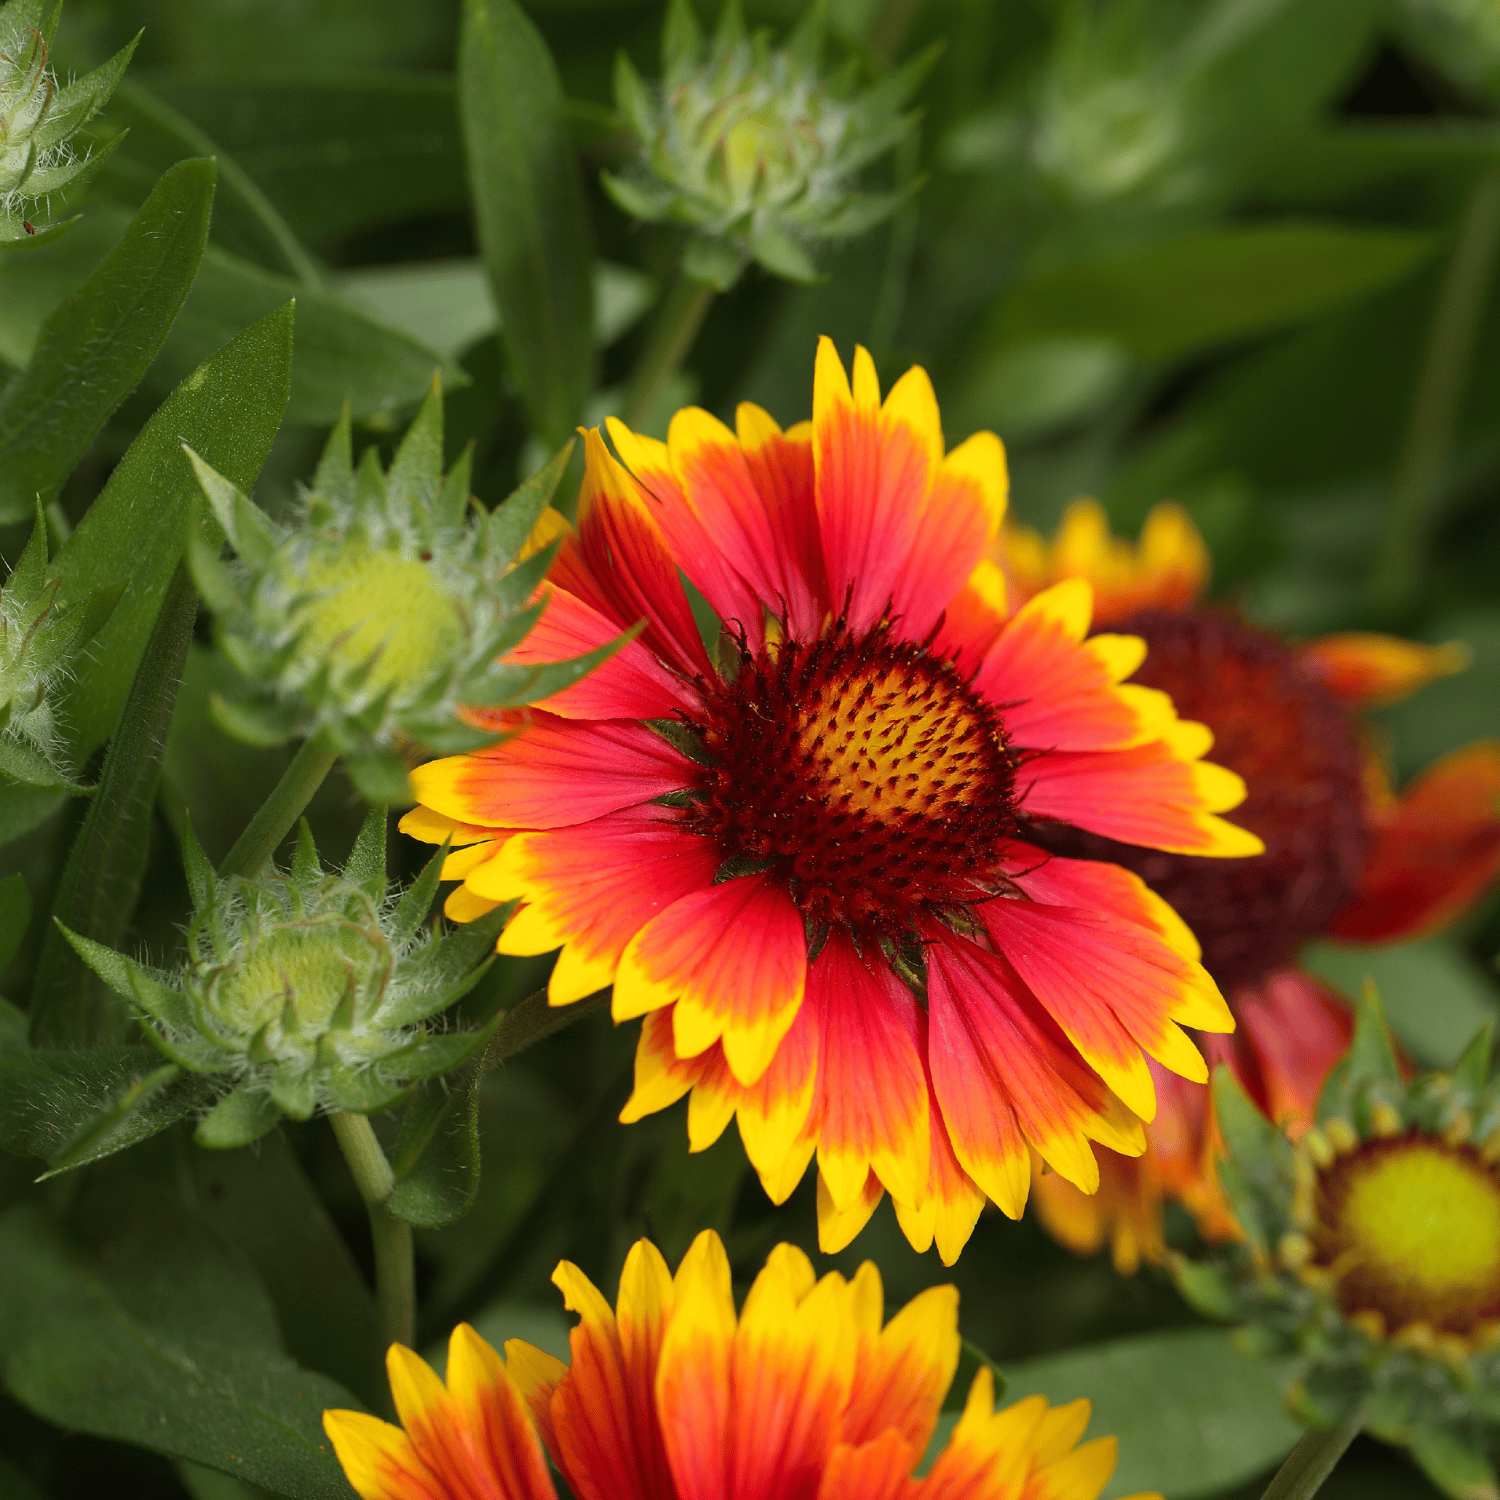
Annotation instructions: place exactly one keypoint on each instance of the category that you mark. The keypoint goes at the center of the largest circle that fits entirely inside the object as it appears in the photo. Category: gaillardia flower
(753, 148)
(382, 610)
(1372, 1249)
(38, 640)
(305, 990)
(797, 854)
(38, 119)
(803, 1396)
(1345, 858)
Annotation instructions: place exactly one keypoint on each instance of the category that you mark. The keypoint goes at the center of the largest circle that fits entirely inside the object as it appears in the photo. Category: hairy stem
(395, 1268)
(1313, 1459)
(281, 809)
(1422, 467)
(672, 336)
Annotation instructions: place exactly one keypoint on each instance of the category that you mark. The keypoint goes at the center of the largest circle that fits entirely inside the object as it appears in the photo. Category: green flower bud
(1372, 1251)
(38, 119)
(38, 640)
(753, 148)
(306, 990)
(383, 610)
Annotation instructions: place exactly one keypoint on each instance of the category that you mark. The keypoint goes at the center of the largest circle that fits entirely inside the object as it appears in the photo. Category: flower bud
(306, 990)
(38, 119)
(382, 610)
(38, 639)
(754, 148)
(1372, 1251)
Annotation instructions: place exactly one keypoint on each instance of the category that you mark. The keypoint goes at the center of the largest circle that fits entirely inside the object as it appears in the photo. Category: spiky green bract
(38, 641)
(755, 148)
(1438, 1395)
(39, 118)
(386, 606)
(305, 989)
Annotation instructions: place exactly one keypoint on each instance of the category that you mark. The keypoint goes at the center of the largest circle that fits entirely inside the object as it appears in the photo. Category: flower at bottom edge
(1371, 1250)
(804, 862)
(806, 1394)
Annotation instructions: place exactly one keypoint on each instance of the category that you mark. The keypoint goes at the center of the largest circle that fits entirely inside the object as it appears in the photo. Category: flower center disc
(1416, 1226)
(863, 768)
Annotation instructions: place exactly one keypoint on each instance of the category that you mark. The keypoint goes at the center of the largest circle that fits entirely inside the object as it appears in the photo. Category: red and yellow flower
(671, 1396)
(798, 852)
(1345, 857)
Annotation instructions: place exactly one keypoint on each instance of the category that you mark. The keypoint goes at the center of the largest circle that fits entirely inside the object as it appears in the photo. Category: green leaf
(380, 777)
(1192, 1415)
(94, 349)
(15, 916)
(335, 152)
(436, 1159)
(1210, 287)
(530, 210)
(69, 1107)
(102, 880)
(133, 534)
(1455, 1462)
(119, 1349)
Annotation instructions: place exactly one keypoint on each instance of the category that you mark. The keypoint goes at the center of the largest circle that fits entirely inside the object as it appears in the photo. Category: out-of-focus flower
(38, 119)
(305, 990)
(381, 614)
(38, 640)
(803, 1396)
(772, 847)
(755, 149)
(1345, 857)
(1372, 1249)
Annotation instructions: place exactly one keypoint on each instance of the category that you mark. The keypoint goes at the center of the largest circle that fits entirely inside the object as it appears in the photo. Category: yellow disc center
(1427, 1217)
(894, 745)
(376, 604)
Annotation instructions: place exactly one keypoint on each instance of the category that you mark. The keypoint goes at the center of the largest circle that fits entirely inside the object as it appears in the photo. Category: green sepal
(645, 199)
(247, 526)
(360, 1092)
(417, 467)
(431, 1055)
(1472, 1070)
(807, 38)
(1455, 1462)
(411, 911)
(94, 1142)
(514, 519)
(1370, 1059)
(201, 878)
(453, 499)
(261, 722)
(633, 98)
(730, 31)
(1259, 1158)
(681, 42)
(366, 865)
(294, 1091)
(335, 472)
(1207, 1288)
(305, 863)
(780, 254)
(238, 1119)
(712, 262)
(19, 762)
(380, 777)
(511, 686)
(28, 574)
(523, 580)
(215, 583)
(452, 966)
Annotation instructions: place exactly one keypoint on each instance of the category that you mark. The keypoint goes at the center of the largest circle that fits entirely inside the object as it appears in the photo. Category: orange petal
(838, 1228)
(1436, 852)
(1365, 670)
(378, 1459)
(733, 961)
(878, 1470)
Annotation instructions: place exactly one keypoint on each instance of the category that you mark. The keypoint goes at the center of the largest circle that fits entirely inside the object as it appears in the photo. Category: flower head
(803, 1396)
(38, 640)
(1372, 1248)
(380, 613)
(38, 118)
(798, 853)
(304, 989)
(1344, 855)
(755, 148)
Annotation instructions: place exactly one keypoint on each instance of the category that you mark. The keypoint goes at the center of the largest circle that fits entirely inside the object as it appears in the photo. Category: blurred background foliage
(1236, 252)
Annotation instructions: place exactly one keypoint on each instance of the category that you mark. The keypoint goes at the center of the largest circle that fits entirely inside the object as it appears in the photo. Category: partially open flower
(305, 990)
(383, 610)
(803, 1396)
(1372, 1249)
(38, 119)
(38, 638)
(754, 148)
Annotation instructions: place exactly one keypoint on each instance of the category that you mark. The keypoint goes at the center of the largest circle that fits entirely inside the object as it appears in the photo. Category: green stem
(532, 1021)
(672, 335)
(395, 1268)
(281, 809)
(1423, 463)
(1312, 1460)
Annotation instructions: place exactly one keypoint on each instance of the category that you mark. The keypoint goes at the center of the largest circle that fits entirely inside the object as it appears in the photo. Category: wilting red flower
(778, 847)
(1345, 858)
(803, 1396)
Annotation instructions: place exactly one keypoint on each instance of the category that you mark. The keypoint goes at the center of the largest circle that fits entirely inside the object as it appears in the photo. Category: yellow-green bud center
(381, 605)
(310, 965)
